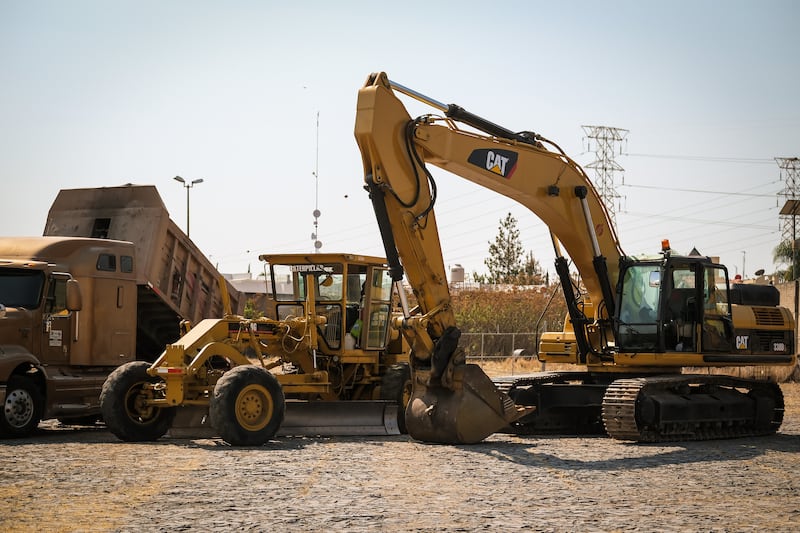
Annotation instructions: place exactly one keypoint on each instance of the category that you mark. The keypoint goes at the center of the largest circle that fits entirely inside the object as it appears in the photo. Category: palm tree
(783, 254)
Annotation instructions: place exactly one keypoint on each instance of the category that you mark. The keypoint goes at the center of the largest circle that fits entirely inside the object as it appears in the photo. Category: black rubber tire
(247, 407)
(396, 387)
(22, 408)
(120, 404)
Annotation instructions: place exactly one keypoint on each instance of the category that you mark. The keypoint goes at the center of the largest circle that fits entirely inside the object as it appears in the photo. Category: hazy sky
(103, 93)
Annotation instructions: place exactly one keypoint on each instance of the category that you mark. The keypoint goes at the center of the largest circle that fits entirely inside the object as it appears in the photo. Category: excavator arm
(395, 150)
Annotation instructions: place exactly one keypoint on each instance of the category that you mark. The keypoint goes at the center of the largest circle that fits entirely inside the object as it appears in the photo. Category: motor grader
(322, 361)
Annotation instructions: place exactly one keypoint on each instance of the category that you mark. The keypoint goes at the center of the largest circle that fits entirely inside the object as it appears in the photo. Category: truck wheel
(247, 406)
(396, 387)
(122, 402)
(22, 409)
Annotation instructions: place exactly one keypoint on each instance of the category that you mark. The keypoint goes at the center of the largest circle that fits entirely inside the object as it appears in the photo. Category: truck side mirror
(74, 300)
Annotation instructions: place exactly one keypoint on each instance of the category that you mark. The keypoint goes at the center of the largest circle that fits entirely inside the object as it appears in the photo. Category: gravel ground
(67, 479)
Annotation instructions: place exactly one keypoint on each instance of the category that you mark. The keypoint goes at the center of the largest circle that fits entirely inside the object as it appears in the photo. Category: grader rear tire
(247, 407)
(122, 402)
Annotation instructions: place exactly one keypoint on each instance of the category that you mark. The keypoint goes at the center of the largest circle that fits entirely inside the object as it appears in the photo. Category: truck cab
(67, 315)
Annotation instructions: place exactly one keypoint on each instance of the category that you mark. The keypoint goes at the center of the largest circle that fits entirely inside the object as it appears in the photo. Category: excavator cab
(673, 304)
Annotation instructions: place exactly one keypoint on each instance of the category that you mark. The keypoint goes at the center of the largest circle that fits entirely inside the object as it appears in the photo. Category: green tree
(251, 311)
(531, 273)
(505, 254)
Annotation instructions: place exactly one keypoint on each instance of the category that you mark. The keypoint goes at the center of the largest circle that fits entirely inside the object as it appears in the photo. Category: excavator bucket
(467, 413)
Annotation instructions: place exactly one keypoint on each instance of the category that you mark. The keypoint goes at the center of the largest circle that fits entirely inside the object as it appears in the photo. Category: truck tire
(22, 408)
(121, 403)
(247, 406)
(396, 387)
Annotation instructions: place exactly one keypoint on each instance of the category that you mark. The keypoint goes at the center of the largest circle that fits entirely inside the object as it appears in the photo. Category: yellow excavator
(635, 322)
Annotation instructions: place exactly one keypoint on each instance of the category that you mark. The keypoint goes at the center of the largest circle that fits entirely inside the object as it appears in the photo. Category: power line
(676, 189)
(711, 159)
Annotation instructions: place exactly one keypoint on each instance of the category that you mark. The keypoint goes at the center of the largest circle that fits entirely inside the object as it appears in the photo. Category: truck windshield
(21, 288)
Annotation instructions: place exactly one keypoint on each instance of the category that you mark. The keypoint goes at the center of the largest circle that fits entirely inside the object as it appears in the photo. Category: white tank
(457, 274)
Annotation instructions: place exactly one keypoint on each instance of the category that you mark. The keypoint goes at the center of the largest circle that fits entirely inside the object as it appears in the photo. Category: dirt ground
(86, 480)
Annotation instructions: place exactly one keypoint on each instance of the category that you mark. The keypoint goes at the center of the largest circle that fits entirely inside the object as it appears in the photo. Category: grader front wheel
(247, 407)
(124, 404)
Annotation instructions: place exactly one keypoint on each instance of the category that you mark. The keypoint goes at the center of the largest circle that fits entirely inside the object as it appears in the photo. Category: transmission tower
(790, 175)
(604, 165)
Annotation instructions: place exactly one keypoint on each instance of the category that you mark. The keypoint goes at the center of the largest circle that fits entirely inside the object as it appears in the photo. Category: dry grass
(526, 365)
(791, 395)
(521, 365)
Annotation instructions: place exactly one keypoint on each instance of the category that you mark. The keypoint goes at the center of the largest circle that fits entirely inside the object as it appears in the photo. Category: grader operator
(640, 321)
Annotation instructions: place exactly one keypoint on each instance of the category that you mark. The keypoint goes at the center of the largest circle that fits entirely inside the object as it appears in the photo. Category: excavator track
(566, 402)
(691, 407)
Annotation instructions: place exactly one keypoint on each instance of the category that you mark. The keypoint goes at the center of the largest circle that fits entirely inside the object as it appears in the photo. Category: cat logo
(500, 162)
(742, 341)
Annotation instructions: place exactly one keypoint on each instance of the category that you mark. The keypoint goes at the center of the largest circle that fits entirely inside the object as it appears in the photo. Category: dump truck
(110, 282)
(322, 361)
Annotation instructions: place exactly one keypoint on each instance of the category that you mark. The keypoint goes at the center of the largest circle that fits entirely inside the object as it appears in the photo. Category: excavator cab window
(680, 308)
(638, 309)
(717, 333)
(697, 316)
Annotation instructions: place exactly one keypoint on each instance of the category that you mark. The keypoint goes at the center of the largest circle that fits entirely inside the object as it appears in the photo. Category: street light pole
(187, 186)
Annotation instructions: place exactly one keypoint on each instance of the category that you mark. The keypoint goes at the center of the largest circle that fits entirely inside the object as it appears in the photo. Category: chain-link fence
(498, 346)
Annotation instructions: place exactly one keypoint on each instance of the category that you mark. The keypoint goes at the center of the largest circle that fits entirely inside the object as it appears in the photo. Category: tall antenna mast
(316, 213)
(604, 165)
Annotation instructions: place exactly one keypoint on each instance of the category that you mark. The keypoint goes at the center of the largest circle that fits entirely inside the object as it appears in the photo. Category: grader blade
(345, 418)
(467, 413)
(328, 419)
